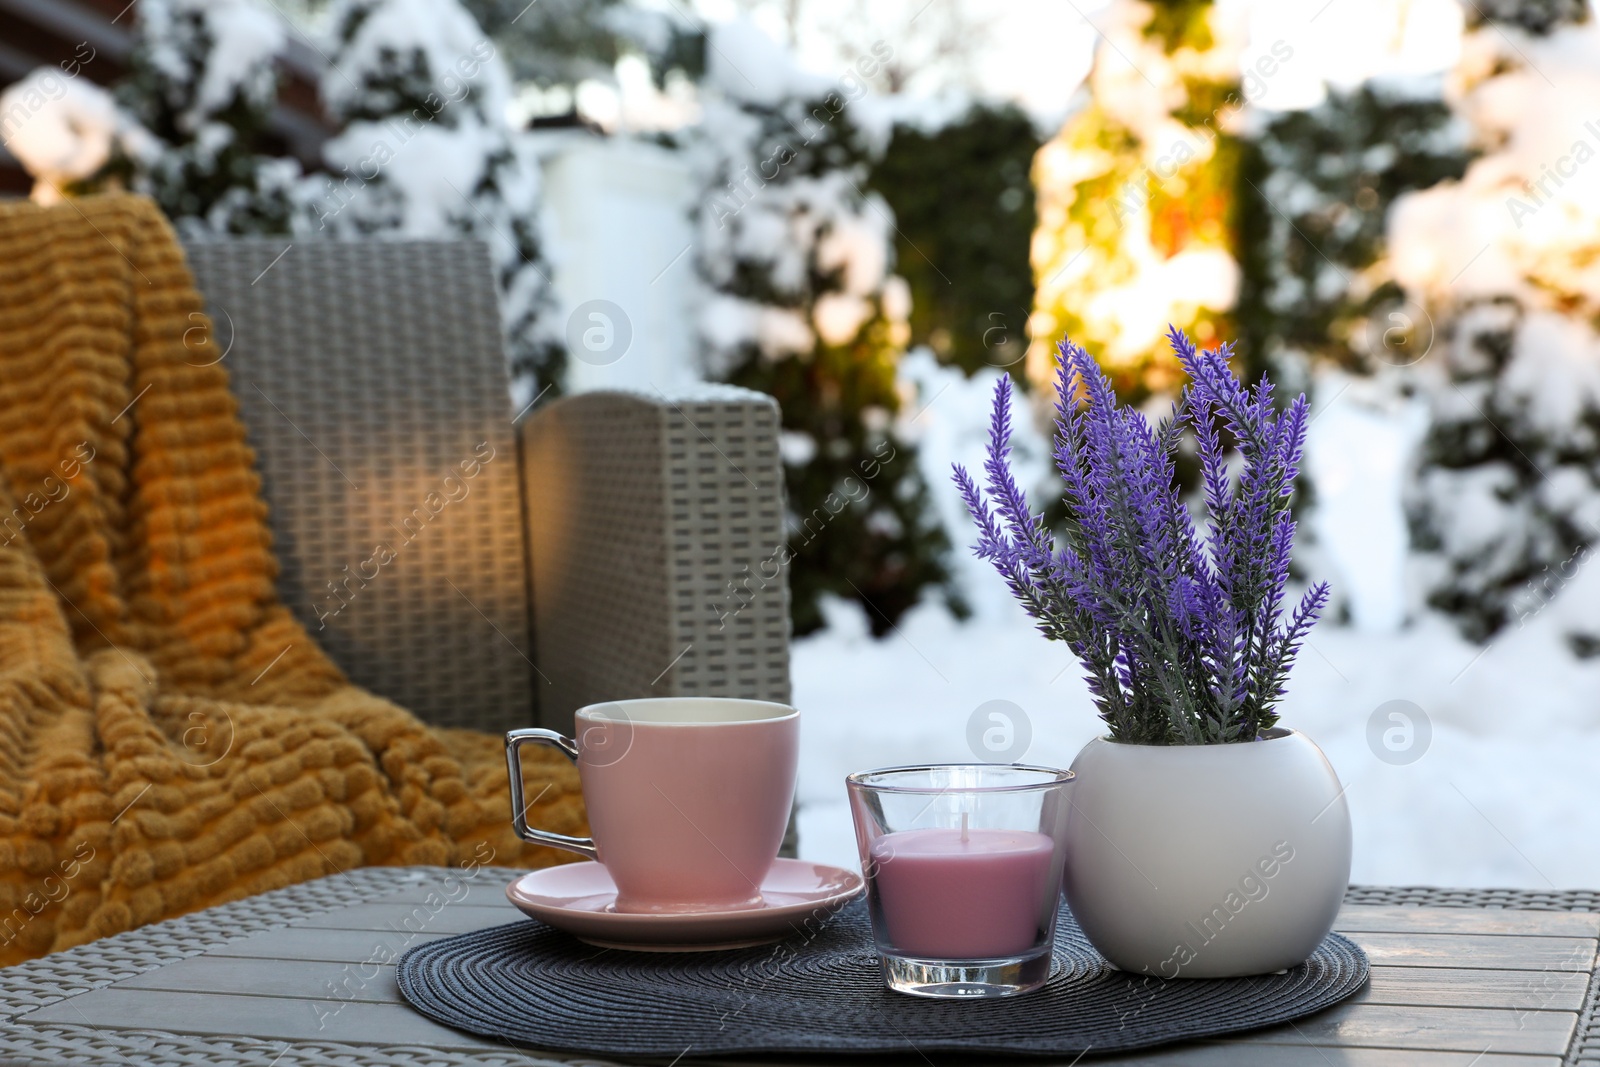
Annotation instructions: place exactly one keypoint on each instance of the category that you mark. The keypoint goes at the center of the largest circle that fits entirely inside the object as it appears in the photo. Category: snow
(820, 246)
(1034, 54)
(245, 37)
(58, 127)
(879, 113)
(750, 67)
(1483, 517)
(451, 166)
(1310, 45)
(635, 104)
(1504, 261)
(727, 321)
(1526, 211)
(1554, 378)
(1499, 796)
(238, 38)
(451, 46)
(425, 171)
(1359, 449)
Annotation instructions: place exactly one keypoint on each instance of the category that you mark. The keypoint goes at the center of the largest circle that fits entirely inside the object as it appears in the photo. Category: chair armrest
(656, 534)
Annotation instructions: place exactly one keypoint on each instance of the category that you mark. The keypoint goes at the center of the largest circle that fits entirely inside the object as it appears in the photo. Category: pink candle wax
(962, 894)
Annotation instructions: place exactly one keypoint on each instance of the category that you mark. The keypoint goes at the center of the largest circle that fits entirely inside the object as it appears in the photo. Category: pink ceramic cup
(688, 797)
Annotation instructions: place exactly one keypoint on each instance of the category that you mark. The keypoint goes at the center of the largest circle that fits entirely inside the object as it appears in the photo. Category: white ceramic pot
(1206, 861)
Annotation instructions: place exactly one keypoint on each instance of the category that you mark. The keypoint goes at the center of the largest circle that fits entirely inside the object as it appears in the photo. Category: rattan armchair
(480, 567)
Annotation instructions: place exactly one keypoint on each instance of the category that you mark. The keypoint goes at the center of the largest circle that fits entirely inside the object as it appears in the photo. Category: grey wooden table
(305, 976)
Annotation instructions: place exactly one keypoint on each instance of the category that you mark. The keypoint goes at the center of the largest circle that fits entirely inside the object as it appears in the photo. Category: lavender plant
(1184, 637)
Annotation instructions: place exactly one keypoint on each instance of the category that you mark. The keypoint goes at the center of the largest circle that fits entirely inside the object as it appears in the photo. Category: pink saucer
(577, 898)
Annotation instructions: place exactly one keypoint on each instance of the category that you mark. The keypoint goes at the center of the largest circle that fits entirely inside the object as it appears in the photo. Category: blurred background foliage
(915, 208)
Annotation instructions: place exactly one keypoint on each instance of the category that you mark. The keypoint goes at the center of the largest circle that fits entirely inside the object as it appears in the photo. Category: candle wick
(963, 828)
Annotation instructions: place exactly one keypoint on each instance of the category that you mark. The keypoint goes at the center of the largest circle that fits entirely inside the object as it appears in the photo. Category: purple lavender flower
(1183, 637)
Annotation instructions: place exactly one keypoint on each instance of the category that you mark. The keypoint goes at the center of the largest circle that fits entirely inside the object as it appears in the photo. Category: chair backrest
(371, 379)
(674, 580)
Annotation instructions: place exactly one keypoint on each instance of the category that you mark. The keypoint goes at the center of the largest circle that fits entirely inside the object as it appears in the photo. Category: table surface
(297, 977)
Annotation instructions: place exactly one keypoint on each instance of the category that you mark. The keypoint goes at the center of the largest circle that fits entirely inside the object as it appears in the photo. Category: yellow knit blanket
(155, 755)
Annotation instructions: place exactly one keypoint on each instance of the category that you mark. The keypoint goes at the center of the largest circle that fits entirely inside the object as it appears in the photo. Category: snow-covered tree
(1507, 259)
(426, 150)
(1135, 197)
(199, 93)
(1315, 190)
(801, 302)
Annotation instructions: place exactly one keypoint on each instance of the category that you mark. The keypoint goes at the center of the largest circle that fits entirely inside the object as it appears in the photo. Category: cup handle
(515, 739)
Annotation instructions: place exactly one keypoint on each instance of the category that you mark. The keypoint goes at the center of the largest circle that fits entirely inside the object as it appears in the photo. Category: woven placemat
(823, 992)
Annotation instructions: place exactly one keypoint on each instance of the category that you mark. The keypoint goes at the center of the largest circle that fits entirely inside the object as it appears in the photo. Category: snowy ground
(1503, 792)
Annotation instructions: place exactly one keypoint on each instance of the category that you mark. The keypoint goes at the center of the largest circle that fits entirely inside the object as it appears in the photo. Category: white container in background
(618, 216)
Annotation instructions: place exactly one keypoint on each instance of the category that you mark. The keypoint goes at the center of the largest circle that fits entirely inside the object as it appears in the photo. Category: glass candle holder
(963, 866)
